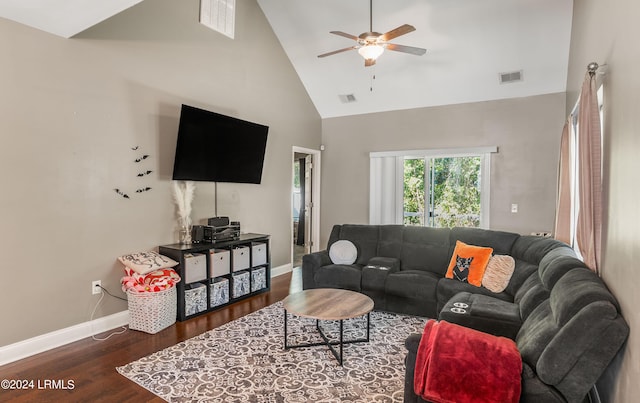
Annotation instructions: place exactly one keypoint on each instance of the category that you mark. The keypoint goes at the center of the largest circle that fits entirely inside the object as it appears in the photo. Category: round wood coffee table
(328, 304)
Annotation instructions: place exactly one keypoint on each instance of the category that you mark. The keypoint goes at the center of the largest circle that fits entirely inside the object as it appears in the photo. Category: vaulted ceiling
(469, 43)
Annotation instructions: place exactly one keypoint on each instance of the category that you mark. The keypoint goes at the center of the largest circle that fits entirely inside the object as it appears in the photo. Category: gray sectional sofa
(566, 324)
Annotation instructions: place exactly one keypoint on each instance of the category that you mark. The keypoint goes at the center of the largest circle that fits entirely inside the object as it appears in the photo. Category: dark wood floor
(90, 364)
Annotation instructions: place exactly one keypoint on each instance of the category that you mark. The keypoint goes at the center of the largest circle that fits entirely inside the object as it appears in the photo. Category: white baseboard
(280, 270)
(26, 348)
(35, 345)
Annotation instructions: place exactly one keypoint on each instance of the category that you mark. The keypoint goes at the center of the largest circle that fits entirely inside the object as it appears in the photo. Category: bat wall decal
(139, 175)
(121, 193)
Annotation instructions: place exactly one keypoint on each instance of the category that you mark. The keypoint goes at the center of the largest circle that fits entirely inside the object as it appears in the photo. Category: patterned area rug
(245, 361)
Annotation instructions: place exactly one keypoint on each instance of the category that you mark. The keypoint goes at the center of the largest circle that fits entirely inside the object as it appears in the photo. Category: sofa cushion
(562, 339)
(521, 273)
(533, 248)
(556, 264)
(447, 288)
(534, 390)
(582, 333)
(500, 241)
(390, 241)
(415, 284)
(470, 262)
(530, 300)
(484, 313)
(425, 248)
(584, 354)
(412, 292)
(346, 276)
(575, 290)
(536, 333)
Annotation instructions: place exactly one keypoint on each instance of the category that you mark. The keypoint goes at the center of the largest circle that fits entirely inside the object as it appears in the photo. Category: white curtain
(589, 219)
(386, 173)
(563, 230)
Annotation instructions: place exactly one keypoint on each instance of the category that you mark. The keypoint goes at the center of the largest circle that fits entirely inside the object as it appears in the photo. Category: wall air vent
(347, 98)
(511, 77)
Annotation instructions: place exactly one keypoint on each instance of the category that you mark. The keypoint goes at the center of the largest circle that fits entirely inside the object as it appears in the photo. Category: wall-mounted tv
(217, 148)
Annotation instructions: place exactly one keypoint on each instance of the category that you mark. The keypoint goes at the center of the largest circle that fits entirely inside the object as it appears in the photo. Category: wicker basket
(151, 312)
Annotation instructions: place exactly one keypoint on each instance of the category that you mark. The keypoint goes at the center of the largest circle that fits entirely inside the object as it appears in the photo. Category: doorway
(305, 203)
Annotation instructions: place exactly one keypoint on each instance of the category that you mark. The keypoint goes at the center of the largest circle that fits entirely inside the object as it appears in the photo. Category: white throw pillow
(146, 262)
(343, 252)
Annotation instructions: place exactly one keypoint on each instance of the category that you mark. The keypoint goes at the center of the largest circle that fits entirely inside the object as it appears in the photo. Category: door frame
(315, 196)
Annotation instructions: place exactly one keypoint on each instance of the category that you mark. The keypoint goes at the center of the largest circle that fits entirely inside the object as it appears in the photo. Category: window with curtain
(436, 188)
(579, 203)
(574, 172)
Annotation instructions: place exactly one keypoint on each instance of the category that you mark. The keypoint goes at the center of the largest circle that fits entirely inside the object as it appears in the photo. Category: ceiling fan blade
(406, 49)
(394, 33)
(346, 35)
(337, 51)
(369, 62)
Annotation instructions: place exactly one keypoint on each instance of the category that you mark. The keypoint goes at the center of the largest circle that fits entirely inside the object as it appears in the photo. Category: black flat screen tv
(216, 148)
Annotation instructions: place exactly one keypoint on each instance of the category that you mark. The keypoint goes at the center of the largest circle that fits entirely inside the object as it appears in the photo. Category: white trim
(315, 196)
(26, 348)
(399, 191)
(436, 152)
(48, 341)
(374, 191)
(485, 195)
(280, 270)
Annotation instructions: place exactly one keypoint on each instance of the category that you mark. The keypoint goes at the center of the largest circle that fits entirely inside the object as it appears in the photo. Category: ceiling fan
(371, 45)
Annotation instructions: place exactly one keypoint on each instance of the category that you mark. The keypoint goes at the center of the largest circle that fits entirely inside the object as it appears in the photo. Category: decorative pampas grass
(183, 192)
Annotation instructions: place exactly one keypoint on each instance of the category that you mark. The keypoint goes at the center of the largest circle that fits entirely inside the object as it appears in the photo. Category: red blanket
(456, 364)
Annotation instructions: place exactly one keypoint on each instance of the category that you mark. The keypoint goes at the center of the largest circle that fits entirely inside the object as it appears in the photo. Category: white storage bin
(195, 299)
(258, 254)
(258, 279)
(219, 262)
(151, 312)
(219, 291)
(240, 284)
(195, 267)
(241, 258)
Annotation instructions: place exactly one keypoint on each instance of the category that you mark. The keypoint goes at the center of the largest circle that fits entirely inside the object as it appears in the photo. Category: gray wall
(524, 171)
(72, 109)
(607, 32)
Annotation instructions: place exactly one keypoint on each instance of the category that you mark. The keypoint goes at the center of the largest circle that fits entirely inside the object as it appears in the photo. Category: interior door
(308, 202)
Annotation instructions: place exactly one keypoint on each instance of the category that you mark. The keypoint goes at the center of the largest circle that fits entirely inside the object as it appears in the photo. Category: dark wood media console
(218, 274)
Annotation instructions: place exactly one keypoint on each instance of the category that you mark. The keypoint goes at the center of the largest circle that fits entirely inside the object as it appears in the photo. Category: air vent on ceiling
(219, 15)
(347, 98)
(510, 77)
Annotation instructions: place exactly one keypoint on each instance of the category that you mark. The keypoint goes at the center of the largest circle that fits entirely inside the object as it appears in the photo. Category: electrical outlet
(95, 287)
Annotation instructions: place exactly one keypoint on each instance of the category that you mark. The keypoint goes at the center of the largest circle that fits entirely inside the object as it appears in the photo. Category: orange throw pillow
(479, 256)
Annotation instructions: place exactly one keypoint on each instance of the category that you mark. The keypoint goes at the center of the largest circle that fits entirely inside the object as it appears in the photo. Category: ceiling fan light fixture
(371, 52)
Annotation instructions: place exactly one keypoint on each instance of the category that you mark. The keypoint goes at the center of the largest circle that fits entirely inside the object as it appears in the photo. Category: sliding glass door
(442, 191)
